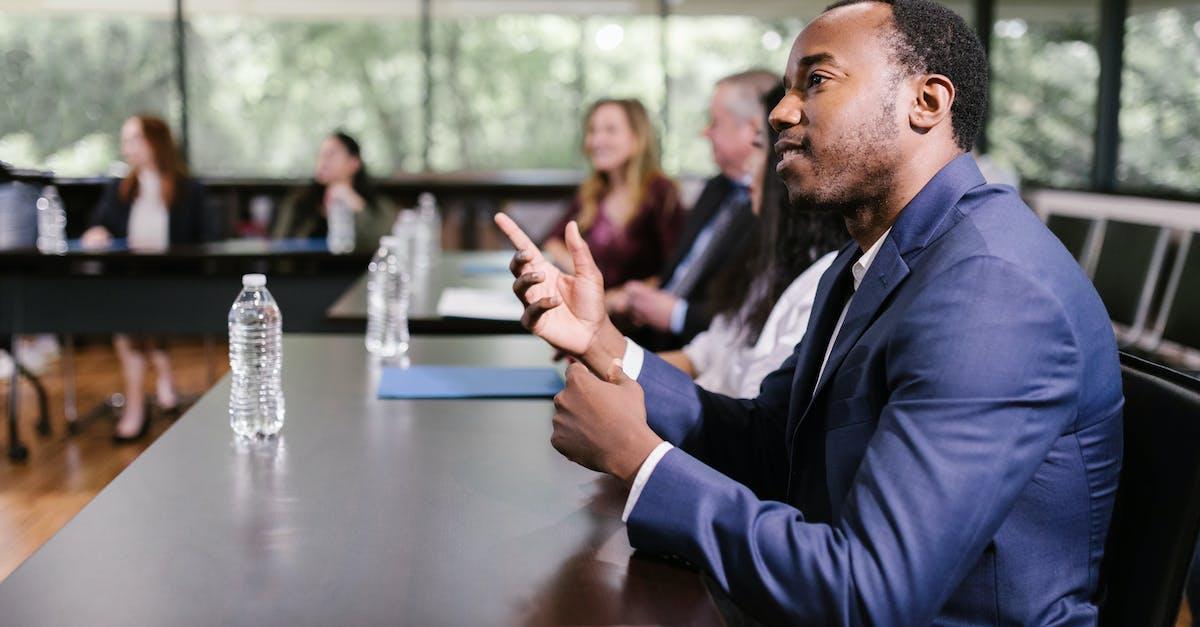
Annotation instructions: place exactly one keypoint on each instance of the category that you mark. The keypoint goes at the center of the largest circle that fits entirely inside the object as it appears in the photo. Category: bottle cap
(426, 199)
(254, 280)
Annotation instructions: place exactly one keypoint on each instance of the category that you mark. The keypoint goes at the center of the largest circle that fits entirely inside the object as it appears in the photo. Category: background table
(474, 269)
(361, 512)
(185, 289)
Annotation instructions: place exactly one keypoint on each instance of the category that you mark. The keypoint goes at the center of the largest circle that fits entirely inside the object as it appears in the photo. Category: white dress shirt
(635, 357)
(726, 362)
(149, 226)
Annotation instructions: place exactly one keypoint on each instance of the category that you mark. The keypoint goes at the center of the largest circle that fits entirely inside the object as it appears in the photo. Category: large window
(622, 58)
(262, 93)
(512, 79)
(1160, 98)
(506, 92)
(702, 50)
(69, 81)
(1045, 70)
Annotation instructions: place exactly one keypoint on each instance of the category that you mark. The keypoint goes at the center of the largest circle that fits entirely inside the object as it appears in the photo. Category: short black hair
(932, 39)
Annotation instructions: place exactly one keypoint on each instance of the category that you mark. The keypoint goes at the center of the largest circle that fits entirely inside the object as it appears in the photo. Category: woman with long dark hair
(340, 176)
(763, 319)
(155, 206)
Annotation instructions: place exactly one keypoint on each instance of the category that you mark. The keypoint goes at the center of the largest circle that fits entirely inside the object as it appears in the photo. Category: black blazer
(701, 302)
(188, 218)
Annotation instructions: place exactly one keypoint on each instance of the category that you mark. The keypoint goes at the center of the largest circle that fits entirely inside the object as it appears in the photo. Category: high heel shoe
(170, 413)
(141, 432)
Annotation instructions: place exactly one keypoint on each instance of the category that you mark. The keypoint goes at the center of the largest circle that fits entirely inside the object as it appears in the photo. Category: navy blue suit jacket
(955, 463)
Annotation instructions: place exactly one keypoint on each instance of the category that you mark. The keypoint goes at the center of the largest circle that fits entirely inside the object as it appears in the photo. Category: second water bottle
(387, 300)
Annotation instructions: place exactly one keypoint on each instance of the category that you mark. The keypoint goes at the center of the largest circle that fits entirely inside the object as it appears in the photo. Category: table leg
(16, 451)
(70, 411)
(43, 423)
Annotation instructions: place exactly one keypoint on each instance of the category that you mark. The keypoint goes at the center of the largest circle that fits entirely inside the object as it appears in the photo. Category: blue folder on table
(427, 382)
(116, 245)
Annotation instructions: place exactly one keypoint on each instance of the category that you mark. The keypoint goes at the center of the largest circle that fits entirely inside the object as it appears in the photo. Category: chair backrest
(1074, 232)
(1181, 309)
(1131, 258)
(1157, 514)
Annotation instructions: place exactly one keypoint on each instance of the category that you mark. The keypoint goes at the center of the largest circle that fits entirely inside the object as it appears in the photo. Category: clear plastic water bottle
(340, 220)
(52, 223)
(429, 233)
(255, 361)
(387, 300)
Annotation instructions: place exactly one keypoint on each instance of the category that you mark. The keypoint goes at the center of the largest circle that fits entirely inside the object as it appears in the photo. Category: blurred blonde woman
(628, 210)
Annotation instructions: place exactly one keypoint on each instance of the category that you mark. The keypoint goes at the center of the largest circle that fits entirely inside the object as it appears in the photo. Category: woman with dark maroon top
(628, 211)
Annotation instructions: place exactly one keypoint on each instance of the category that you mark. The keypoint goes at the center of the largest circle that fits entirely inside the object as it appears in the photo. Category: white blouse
(149, 226)
(723, 360)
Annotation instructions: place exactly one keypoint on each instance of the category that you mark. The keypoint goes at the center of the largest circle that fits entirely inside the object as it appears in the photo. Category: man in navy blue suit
(944, 444)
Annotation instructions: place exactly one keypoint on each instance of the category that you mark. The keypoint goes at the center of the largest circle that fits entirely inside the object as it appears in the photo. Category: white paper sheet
(486, 304)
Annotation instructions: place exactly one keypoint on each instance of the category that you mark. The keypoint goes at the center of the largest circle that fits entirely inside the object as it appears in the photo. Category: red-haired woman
(155, 206)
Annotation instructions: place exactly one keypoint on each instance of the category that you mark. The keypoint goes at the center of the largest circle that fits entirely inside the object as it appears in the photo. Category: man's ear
(935, 95)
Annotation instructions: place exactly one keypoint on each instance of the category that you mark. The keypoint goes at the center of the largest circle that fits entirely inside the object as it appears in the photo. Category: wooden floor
(64, 472)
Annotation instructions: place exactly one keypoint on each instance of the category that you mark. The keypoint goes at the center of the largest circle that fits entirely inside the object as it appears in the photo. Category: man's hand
(95, 238)
(616, 301)
(344, 193)
(649, 306)
(565, 310)
(601, 424)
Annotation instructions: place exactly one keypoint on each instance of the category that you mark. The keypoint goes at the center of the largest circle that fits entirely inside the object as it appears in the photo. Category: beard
(853, 172)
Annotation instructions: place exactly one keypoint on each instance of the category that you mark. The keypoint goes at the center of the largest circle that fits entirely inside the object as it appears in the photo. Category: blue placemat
(299, 245)
(483, 269)
(427, 382)
(117, 245)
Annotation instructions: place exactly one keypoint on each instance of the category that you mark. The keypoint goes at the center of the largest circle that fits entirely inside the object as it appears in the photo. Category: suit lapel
(831, 294)
(885, 274)
(709, 201)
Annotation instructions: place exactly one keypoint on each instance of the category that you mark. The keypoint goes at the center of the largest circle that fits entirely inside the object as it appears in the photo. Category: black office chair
(1157, 514)
(1179, 322)
(1073, 232)
(1126, 273)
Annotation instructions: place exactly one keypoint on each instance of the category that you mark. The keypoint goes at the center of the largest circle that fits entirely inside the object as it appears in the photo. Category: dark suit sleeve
(697, 320)
(743, 439)
(108, 212)
(982, 381)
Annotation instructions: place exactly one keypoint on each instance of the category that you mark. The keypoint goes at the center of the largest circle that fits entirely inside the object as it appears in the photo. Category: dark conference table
(361, 512)
(474, 269)
(185, 289)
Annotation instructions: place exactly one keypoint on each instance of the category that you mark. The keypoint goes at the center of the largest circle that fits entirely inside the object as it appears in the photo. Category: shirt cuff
(643, 475)
(631, 363)
(678, 316)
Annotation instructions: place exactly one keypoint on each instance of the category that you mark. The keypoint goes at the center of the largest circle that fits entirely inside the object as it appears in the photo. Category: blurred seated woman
(340, 176)
(768, 292)
(155, 206)
(628, 211)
